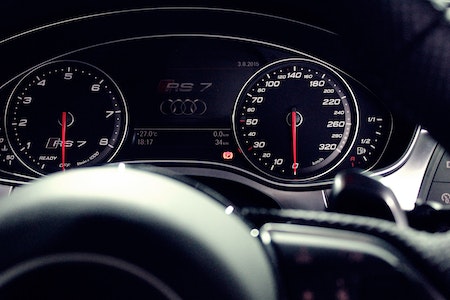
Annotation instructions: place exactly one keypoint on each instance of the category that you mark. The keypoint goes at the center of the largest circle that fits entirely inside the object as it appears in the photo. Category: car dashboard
(199, 100)
(178, 98)
(266, 110)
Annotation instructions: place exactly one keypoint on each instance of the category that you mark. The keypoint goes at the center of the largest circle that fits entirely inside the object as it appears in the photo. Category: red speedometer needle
(294, 139)
(63, 139)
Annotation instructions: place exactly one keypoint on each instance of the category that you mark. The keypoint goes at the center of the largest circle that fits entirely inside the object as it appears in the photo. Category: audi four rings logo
(186, 107)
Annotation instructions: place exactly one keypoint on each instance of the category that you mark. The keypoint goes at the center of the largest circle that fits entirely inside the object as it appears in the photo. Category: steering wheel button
(440, 192)
(443, 170)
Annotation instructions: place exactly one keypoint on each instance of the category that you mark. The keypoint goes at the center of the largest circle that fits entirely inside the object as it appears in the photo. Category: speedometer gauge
(295, 119)
(63, 115)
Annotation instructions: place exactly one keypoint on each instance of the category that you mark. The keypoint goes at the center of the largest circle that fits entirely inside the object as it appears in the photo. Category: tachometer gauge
(295, 119)
(65, 114)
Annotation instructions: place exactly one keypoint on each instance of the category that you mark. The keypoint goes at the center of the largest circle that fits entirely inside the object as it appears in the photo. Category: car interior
(225, 149)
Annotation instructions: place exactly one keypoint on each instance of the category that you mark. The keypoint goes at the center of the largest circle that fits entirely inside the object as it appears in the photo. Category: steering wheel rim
(129, 215)
(405, 44)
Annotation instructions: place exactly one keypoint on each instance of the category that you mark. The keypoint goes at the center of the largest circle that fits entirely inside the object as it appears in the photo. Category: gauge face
(295, 119)
(63, 115)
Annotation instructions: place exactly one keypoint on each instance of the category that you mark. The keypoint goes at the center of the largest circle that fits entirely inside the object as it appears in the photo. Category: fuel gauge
(371, 141)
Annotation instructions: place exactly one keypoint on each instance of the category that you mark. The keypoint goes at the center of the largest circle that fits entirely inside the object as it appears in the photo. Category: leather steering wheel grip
(406, 47)
(127, 225)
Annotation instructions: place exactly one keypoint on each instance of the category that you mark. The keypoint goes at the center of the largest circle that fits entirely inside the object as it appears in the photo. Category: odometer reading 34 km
(295, 119)
(63, 115)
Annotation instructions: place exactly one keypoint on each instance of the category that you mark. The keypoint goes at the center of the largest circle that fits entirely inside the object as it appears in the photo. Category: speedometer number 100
(295, 119)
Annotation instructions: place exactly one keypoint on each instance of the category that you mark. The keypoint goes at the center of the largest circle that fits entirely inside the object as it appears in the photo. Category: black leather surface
(175, 232)
(427, 252)
(406, 45)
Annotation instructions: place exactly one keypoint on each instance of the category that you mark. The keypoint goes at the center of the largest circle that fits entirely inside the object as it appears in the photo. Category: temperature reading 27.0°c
(295, 119)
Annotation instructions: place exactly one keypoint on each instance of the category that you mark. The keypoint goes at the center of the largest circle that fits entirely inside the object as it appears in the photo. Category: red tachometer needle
(294, 139)
(63, 139)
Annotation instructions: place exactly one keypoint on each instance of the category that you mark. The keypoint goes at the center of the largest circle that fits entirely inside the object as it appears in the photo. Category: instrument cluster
(269, 113)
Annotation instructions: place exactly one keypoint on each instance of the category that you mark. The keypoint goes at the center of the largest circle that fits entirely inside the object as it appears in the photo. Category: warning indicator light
(227, 155)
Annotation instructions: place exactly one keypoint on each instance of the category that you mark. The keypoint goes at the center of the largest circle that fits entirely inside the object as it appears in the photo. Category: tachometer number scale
(63, 115)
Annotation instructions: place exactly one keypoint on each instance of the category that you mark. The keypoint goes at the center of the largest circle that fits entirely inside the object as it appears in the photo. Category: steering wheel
(122, 233)
(115, 232)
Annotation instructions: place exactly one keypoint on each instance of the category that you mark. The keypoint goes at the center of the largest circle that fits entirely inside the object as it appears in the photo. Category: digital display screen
(189, 97)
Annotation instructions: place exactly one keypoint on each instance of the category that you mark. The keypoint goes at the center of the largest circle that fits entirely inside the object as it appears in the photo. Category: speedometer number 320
(295, 119)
